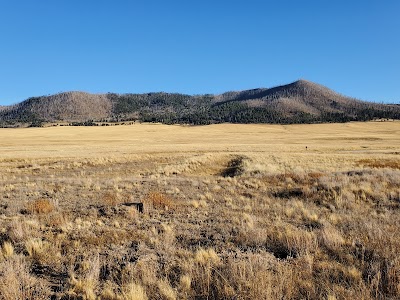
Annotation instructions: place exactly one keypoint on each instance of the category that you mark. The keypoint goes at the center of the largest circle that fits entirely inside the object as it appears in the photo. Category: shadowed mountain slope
(298, 102)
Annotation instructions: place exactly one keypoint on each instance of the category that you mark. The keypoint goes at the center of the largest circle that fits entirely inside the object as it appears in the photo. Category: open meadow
(230, 212)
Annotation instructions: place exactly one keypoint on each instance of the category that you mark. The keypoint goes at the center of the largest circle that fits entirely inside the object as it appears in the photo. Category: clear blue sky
(195, 47)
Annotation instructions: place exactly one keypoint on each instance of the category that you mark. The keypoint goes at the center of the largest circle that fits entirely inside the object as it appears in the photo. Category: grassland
(230, 212)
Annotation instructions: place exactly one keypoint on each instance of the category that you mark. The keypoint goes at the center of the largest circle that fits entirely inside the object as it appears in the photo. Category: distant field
(144, 138)
(280, 147)
(245, 211)
(156, 138)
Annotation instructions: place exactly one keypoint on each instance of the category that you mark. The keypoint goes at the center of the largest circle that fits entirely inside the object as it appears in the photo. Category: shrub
(110, 199)
(158, 200)
(40, 206)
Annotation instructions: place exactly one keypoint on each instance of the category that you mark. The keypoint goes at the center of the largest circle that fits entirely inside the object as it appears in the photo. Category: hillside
(298, 102)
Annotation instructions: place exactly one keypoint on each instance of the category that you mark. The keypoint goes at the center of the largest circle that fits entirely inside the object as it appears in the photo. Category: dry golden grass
(231, 212)
(7, 249)
(380, 163)
(16, 282)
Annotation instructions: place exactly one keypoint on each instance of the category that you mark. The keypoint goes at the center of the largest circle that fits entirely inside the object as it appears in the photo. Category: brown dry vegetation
(231, 212)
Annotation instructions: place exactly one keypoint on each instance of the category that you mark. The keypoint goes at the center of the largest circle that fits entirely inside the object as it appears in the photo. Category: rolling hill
(298, 102)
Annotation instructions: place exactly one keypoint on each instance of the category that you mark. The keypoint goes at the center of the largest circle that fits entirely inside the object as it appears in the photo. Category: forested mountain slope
(298, 102)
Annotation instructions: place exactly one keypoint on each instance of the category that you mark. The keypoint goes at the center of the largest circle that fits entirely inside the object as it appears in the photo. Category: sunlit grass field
(230, 212)
(114, 141)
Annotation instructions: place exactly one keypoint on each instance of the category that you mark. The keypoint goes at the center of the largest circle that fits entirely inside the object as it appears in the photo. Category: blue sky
(195, 47)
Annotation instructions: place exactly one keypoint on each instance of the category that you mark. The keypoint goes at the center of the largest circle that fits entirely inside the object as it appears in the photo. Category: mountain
(299, 102)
